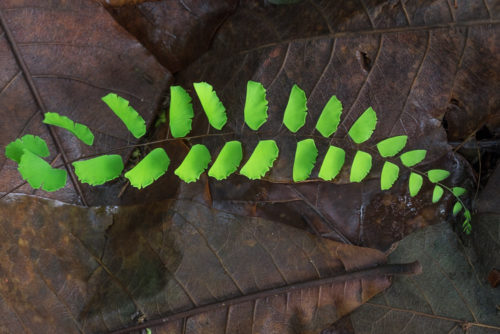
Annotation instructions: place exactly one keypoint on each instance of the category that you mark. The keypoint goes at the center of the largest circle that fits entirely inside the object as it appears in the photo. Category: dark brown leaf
(68, 269)
(63, 56)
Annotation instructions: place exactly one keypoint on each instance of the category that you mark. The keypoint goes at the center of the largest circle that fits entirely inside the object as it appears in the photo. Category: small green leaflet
(296, 110)
(437, 194)
(436, 175)
(255, 111)
(332, 163)
(131, 118)
(261, 160)
(415, 183)
(466, 224)
(227, 161)
(34, 144)
(411, 158)
(391, 146)
(195, 163)
(213, 107)
(39, 172)
(457, 208)
(364, 126)
(390, 173)
(149, 169)
(305, 159)
(181, 112)
(458, 191)
(97, 171)
(329, 119)
(81, 131)
(361, 166)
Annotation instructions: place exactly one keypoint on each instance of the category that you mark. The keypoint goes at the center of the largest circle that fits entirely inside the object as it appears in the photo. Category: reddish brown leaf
(63, 56)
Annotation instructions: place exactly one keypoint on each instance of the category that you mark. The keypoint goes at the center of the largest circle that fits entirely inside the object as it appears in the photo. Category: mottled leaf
(195, 163)
(305, 159)
(129, 116)
(181, 112)
(255, 111)
(149, 169)
(391, 146)
(361, 166)
(329, 119)
(332, 163)
(261, 160)
(39, 173)
(81, 131)
(213, 107)
(228, 160)
(34, 144)
(296, 109)
(390, 173)
(97, 171)
(364, 126)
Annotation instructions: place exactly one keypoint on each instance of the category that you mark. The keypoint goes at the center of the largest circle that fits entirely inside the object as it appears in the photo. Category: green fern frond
(97, 171)
(255, 111)
(332, 163)
(296, 110)
(329, 119)
(39, 173)
(305, 159)
(261, 160)
(213, 107)
(33, 144)
(194, 164)
(181, 112)
(149, 169)
(131, 118)
(363, 127)
(81, 131)
(228, 160)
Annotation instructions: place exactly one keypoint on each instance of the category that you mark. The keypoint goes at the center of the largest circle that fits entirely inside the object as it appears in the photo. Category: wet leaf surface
(71, 269)
(49, 63)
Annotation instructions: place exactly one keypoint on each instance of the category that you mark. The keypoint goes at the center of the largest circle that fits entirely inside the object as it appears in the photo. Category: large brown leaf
(63, 56)
(402, 59)
(68, 269)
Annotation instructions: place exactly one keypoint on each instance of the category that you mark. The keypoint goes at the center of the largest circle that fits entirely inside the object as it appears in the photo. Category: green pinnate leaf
(364, 126)
(437, 194)
(227, 161)
(415, 183)
(411, 158)
(437, 175)
(99, 170)
(261, 160)
(391, 146)
(34, 144)
(81, 131)
(255, 111)
(458, 191)
(305, 159)
(131, 118)
(195, 163)
(213, 107)
(149, 169)
(457, 208)
(390, 173)
(39, 173)
(329, 119)
(181, 112)
(332, 163)
(296, 110)
(361, 166)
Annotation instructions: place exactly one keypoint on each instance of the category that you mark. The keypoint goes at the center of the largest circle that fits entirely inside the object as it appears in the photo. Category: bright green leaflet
(437, 194)
(261, 160)
(364, 126)
(227, 161)
(458, 191)
(255, 105)
(390, 173)
(38, 172)
(436, 175)
(391, 146)
(329, 119)
(305, 159)
(34, 144)
(81, 131)
(332, 163)
(213, 107)
(131, 118)
(181, 112)
(411, 158)
(296, 109)
(97, 171)
(457, 208)
(415, 183)
(195, 163)
(361, 166)
(149, 169)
